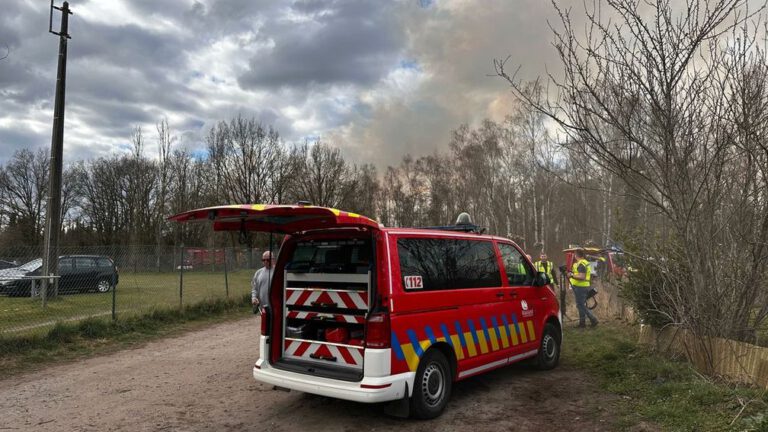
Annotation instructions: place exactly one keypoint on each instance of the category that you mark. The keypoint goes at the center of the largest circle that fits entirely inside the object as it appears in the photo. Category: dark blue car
(77, 274)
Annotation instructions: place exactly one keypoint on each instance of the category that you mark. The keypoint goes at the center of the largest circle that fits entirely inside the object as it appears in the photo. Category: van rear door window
(331, 256)
(441, 264)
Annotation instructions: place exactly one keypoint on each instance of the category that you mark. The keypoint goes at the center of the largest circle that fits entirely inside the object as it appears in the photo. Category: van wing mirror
(541, 279)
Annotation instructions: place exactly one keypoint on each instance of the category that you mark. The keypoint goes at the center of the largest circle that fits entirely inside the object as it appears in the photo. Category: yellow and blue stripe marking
(500, 335)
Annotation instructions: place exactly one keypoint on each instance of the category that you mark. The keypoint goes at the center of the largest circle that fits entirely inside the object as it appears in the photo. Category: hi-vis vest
(588, 274)
(546, 267)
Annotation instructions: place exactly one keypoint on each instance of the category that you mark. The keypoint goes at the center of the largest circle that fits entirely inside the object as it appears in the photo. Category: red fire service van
(372, 314)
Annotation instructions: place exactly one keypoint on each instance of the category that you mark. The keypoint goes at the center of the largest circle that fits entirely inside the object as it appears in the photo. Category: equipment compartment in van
(326, 299)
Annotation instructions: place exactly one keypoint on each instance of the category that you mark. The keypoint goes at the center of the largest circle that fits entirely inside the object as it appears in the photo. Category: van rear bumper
(377, 389)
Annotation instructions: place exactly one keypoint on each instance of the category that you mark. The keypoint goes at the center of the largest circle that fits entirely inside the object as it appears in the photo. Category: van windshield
(331, 256)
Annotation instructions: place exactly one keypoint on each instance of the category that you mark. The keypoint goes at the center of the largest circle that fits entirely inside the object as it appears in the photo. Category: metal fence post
(114, 299)
(181, 278)
(563, 291)
(226, 279)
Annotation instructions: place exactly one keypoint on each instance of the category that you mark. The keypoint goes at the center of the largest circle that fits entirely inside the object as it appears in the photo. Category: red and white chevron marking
(353, 319)
(345, 356)
(338, 299)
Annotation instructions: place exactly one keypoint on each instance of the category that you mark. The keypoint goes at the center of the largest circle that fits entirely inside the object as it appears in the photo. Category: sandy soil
(202, 381)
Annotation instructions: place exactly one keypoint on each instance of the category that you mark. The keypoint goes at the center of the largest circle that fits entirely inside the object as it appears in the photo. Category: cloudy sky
(377, 78)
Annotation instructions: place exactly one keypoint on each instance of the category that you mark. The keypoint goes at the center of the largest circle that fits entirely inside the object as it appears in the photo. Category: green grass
(67, 341)
(136, 293)
(666, 392)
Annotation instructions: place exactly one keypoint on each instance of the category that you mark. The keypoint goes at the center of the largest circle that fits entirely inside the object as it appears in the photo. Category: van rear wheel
(432, 386)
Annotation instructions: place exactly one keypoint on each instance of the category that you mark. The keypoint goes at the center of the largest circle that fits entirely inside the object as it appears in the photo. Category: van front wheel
(432, 386)
(549, 351)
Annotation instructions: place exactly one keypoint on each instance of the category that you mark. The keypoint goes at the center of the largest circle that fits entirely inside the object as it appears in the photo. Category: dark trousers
(580, 293)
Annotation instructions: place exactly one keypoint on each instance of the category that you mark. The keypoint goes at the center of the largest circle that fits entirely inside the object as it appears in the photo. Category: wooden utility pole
(53, 210)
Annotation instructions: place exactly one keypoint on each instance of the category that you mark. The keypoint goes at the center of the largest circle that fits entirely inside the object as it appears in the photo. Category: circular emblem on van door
(524, 305)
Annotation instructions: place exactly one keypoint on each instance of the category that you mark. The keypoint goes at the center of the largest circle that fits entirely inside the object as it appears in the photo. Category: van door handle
(499, 294)
(513, 294)
(322, 357)
(320, 304)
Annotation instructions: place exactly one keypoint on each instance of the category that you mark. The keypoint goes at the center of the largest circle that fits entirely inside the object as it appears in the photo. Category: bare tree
(366, 191)
(70, 194)
(139, 186)
(23, 191)
(164, 142)
(249, 153)
(406, 201)
(477, 154)
(188, 189)
(322, 176)
(648, 96)
(103, 190)
(217, 157)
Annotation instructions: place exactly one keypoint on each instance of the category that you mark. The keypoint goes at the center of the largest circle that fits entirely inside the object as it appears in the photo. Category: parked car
(363, 312)
(7, 264)
(78, 273)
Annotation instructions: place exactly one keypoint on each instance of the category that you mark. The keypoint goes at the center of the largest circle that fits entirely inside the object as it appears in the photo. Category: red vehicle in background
(608, 263)
(195, 258)
(367, 313)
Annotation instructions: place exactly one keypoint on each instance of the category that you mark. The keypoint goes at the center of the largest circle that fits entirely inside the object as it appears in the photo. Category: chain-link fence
(115, 281)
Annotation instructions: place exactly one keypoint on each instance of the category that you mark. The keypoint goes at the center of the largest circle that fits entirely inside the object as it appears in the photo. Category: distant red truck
(196, 258)
(609, 262)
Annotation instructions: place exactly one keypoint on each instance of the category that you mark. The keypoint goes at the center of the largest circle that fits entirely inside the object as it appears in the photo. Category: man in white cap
(261, 281)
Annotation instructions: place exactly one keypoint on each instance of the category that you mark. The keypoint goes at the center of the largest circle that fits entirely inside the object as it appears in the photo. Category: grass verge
(655, 389)
(67, 341)
(136, 294)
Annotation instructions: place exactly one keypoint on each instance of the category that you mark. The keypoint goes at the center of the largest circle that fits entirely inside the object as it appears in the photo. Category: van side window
(518, 272)
(442, 264)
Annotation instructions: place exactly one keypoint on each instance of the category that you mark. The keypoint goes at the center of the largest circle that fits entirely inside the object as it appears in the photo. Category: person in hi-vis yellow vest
(546, 266)
(580, 278)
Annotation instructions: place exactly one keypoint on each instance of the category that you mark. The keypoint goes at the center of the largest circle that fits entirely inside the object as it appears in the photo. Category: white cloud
(123, 13)
(378, 78)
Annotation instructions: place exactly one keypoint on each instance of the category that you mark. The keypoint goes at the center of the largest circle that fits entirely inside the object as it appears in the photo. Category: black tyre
(549, 350)
(103, 286)
(20, 292)
(432, 386)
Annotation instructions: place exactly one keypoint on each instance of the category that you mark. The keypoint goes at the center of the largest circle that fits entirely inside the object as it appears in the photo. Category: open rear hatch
(283, 219)
(326, 282)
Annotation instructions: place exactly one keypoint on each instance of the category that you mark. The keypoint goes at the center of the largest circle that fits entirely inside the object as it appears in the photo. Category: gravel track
(201, 381)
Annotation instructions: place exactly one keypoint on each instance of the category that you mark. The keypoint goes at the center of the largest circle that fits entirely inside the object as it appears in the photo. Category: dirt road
(202, 381)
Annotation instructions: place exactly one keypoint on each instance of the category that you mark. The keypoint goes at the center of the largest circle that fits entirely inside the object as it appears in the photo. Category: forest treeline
(510, 176)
